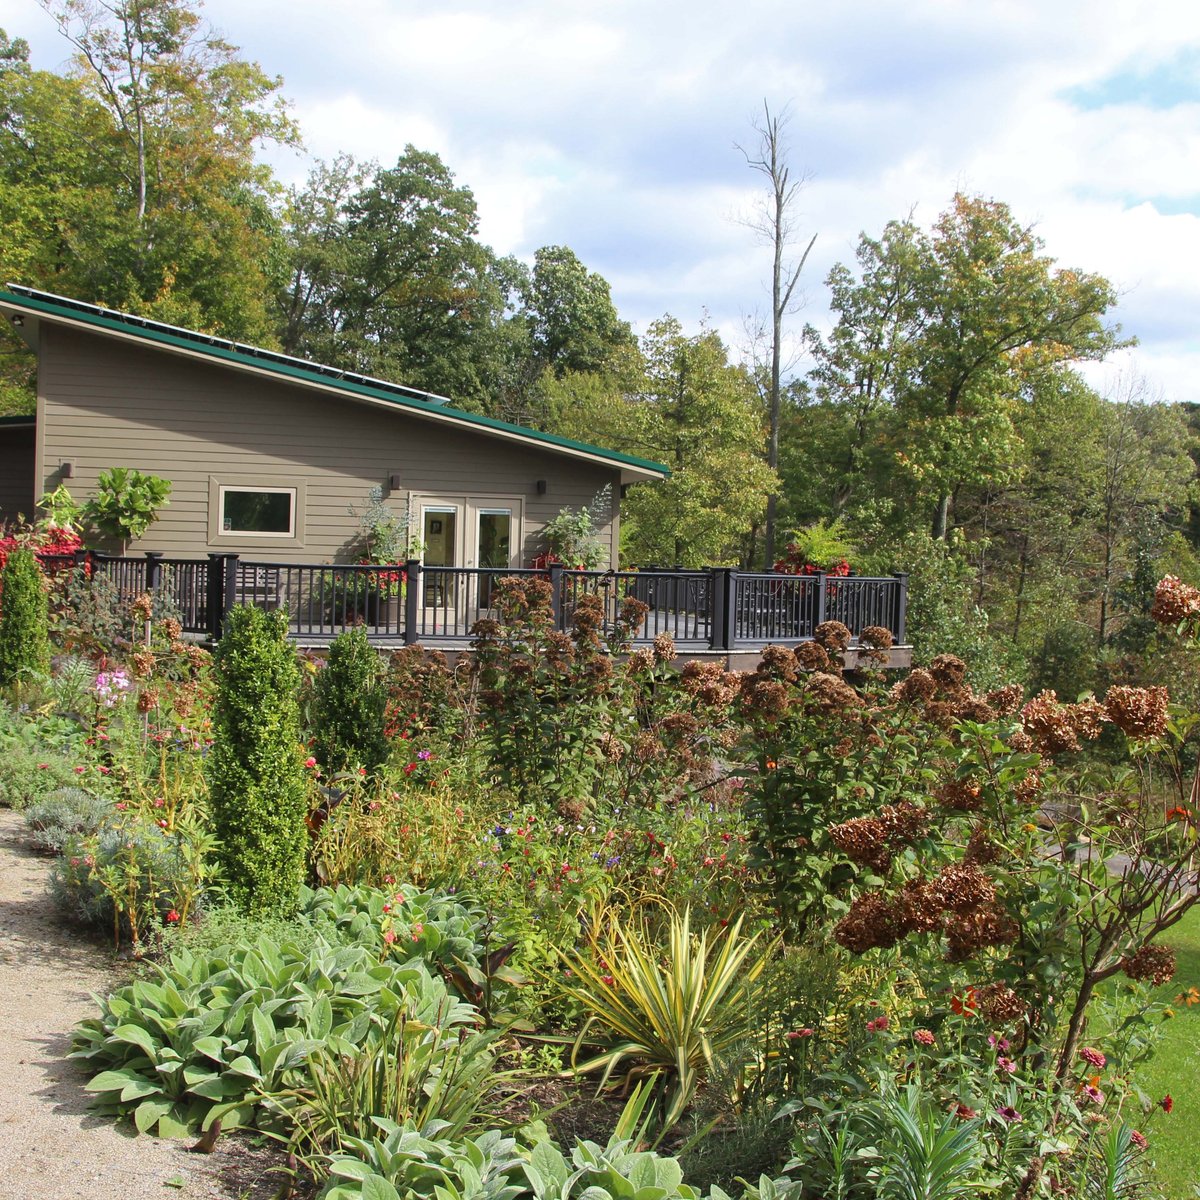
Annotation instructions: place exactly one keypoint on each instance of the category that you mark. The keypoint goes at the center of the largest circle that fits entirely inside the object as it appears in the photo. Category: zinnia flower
(1094, 1057)
(1006, 1064)
(1138, 1139)
(924, 1036)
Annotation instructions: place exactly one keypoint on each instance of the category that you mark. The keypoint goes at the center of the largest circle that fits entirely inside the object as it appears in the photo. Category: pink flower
(993, 1041)
(798, 1033)
(79, 770)
(389, 936)
(1093, 1093)
(43, 766)
(924, 1037)
(1009, 1114)
(1006, 1064)
(310, 762)
(1094, 1057)
(1138, 1139)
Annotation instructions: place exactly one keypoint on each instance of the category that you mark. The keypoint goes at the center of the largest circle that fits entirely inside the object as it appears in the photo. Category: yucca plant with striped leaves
(666, 1014)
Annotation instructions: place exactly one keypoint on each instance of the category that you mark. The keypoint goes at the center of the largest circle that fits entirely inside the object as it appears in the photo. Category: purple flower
(1009, 1114)
(424, 755)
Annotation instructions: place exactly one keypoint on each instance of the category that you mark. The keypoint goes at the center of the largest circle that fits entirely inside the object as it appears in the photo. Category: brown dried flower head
(833, 635)
(829, 694)
(1050, 724)
(871, 922)
(1138, 712)
(999, 1004)
(974, 708)
(631, 614)
(778, 662)
(982, 850)
(904, 822)
(949, 671)
(1006, 700)
(142, 663)
(1175, 601)
(664, 648)
(611, 747)
(764, 697)
(918, 907)
(641, 660)
(143, 606)
(962, 887)
(877, 636)
(969, 932)
(147, 699)
(1155, 964)
(962, 795)
(916, 687)
(1089, 717)
(171, 628)
(863, 840)
(572, 810)
(811, 656)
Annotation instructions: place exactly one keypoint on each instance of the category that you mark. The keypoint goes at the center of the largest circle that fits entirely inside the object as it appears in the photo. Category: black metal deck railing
(719, 608)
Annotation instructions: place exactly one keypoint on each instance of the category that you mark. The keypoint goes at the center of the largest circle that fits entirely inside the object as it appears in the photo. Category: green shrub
(24, 619)
(257, 788)
(66, 813)
(127, 501)
(28, 774)
(350, 706)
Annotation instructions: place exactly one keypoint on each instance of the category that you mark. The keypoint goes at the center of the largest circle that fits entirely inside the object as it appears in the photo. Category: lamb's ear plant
(665, 1013)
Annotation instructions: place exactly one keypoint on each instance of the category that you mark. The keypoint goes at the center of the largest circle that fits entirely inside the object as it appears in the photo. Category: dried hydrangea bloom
(143, 662)
(917, 686)
(863, 840)
(811, 656)
(982, 849)
(631, 615)
(146, 700)
(143, 606)
(572, 810)
(830, 694)
(962, 795)
(611, 747)
(904, 822)
(1175, 601)
(833, 635)
(640, 660)
(681, 725)
(1155, 964)
(877, 636)
(589, 614)
(1089, 717)
(171, 628)
(949, 671)
(974, 708)
(1138, 712)
(968, 933)
(710, 682)
(1050, 724)
(871, 922)
(664, 648)
(765, 698)
(961, 887)
(999, 1004)
(777, 662)
(647, 748)
(918, 908)
(1006, 700)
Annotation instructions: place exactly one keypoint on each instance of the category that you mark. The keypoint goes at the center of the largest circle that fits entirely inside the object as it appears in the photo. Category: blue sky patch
(1160, 87)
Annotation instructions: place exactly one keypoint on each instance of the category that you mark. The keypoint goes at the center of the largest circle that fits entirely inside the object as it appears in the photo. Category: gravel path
(51, 1147)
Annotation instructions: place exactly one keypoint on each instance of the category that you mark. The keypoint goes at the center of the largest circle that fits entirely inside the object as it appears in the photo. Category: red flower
(964, 1005)
(310, 762)
(172, 917)
(1167, 1103)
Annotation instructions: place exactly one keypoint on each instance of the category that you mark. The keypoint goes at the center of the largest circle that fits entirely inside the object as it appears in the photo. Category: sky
(613, 127)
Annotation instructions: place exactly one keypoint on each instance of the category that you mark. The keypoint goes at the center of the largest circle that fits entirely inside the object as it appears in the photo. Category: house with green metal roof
(268, 455)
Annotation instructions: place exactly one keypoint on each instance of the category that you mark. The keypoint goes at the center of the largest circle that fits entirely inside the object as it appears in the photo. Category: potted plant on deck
(384, 541)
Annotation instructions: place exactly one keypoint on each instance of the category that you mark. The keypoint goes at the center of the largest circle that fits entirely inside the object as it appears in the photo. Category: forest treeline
(941, 427)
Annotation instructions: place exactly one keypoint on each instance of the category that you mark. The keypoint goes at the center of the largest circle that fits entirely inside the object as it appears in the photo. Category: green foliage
(216, 1035)
(24, 620)
(670, 1022)
(349, 706)
(64, 814)
(126, 503)
(30, 772)
(572, 537)
(258, 794)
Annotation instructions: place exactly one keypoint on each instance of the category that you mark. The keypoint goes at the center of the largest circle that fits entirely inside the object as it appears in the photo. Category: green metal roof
(298, 370)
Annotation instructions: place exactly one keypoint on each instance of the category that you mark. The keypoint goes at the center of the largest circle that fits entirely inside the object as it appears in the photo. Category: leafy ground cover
(807, 934)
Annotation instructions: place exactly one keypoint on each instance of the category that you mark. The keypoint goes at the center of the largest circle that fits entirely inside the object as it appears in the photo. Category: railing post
(724, 606)
(822, 597)
(901, 606)
(556, 593)
(216, 595)
(412, 600)
(153, 570)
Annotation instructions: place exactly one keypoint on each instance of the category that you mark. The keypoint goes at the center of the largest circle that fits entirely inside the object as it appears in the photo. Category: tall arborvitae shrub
(24, 619)
(256, 779)
(350, 706)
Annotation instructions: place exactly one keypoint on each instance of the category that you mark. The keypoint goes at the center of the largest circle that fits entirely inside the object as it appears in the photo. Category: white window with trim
(245, 510)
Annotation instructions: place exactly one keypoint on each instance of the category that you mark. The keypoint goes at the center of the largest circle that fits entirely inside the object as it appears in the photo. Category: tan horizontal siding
(109, 403)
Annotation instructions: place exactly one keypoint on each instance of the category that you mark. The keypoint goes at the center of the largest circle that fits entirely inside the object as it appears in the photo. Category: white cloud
(611, 128)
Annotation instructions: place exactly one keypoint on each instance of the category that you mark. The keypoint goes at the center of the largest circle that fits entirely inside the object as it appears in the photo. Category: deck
(717, 610)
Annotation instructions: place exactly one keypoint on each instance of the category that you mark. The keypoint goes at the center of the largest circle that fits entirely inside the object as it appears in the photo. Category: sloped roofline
(428, 405)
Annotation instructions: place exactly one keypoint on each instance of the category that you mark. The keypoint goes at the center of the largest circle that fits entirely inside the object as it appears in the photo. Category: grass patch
(1175, 1069)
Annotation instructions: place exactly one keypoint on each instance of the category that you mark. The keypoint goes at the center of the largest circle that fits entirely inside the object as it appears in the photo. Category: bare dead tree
(775, 223)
